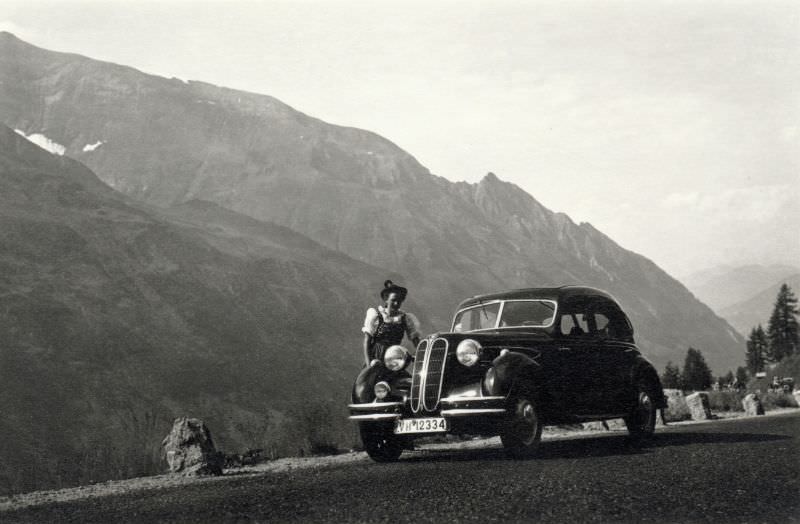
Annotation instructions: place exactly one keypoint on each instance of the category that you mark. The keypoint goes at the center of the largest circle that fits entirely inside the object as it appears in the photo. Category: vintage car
(511, 363)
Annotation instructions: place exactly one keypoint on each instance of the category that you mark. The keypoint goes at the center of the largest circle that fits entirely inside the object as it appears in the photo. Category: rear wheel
(380, 443)
(641, 422)
(523, 432)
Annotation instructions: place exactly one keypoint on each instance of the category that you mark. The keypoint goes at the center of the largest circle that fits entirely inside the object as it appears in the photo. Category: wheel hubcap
(527, 423)
(645, 410)
(527, 413)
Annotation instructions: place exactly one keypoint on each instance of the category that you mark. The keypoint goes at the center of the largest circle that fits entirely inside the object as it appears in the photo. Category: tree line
(780, 340)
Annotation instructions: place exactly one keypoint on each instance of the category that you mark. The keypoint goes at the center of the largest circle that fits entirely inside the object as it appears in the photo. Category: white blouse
(371, 321)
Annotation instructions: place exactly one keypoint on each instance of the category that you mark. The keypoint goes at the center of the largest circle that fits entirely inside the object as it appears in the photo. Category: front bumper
(449, 407)
(375, 411)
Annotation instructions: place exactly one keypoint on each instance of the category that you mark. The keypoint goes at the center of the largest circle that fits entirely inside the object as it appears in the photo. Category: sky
(672, 127)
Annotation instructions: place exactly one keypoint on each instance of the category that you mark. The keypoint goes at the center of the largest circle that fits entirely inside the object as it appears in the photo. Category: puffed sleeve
(370, 322)
(412, 326)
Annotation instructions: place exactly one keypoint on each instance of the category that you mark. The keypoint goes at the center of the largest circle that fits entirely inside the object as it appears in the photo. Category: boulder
(699, 405)
(189, 449)
(677, 409)
(752, 405)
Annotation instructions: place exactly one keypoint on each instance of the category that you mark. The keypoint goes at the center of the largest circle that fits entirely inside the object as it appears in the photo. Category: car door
(615, 357)
(575, 353)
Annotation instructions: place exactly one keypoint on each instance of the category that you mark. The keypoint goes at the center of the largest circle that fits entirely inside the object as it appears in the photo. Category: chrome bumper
(472, 406)
(375, 411)
(451, 407)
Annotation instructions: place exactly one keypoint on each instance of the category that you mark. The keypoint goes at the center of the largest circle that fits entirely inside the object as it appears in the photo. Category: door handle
(564, 349)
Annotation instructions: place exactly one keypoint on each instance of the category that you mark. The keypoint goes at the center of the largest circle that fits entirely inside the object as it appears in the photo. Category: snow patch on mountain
(43, 142)
(91, 147)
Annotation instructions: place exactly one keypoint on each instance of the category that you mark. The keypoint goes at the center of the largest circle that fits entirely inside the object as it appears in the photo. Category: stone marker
(752, 405)
(676, 406)
(699, 405)
(189, 449)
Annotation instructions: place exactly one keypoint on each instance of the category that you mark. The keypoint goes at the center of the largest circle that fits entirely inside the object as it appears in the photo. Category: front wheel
(641, 422)
(523, 432)
(380, 443)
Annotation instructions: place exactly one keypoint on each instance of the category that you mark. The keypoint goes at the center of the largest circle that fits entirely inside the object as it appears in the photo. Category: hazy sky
(673, 127)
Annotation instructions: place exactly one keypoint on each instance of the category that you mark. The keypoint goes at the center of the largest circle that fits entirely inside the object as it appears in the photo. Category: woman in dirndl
(386, 324)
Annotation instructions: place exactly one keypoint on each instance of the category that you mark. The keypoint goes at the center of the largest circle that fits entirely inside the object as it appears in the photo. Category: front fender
(364, 386)
(510, 371)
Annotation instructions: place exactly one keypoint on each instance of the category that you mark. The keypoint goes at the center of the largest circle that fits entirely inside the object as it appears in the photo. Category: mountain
(747, 314)
(723, 286)
(118, 317)
(166, 141)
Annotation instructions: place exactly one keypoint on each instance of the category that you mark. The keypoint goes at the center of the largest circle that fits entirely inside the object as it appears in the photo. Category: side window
(575, 320)
(612, 322)
(601, 321)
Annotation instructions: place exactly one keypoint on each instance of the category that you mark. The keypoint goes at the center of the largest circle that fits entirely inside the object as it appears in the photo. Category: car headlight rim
(395, 358)
(468, 352)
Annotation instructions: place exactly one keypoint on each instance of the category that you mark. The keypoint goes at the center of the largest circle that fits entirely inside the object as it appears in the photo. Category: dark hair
(390, 287)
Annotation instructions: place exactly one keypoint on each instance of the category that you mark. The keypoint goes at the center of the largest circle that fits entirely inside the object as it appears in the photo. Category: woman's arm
(369, 329)
(366, 345)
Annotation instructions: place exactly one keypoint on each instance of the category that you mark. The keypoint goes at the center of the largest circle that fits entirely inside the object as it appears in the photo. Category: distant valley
(742, 295)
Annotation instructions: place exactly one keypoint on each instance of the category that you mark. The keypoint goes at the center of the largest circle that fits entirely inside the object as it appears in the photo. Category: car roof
(557, 294)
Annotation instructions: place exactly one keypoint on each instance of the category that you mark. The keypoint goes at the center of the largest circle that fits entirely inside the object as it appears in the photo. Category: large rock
(189, 449)
(752, 405)
(699, 405)
(677, 409)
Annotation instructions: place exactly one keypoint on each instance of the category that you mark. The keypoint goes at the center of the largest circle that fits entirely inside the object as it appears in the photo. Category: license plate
(420, 425)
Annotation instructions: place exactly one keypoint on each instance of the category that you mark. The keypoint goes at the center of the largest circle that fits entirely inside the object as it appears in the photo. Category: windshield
(505, 314)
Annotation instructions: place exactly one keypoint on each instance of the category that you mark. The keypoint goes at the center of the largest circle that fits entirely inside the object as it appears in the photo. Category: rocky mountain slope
(117, 317)
(166, 141)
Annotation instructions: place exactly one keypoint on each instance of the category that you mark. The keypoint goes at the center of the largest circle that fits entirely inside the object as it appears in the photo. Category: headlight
(468, 352)
(395, 358)
(382, 390)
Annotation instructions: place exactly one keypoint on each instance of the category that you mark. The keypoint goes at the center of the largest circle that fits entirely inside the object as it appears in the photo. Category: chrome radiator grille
(426, 382)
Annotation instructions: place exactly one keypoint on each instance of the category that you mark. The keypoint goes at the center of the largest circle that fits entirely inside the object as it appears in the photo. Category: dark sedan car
(512, 363)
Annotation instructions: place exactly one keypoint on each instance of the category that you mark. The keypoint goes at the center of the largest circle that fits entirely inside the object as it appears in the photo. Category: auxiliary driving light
(382, 390)
(468, 352)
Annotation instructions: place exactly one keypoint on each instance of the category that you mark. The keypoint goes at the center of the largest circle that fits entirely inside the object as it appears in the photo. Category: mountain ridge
(348, 189)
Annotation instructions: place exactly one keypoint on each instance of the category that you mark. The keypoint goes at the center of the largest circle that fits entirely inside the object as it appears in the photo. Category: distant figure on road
(386, 325)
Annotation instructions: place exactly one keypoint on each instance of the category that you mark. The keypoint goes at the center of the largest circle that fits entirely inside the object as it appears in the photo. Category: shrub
(725, 400)
(772, 400)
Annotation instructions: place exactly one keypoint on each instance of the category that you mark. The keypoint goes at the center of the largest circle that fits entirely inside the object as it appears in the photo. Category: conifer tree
(671, 379)
(757, 350)
(696, 373)
(782, 330)
(727, 378)
(741, 375)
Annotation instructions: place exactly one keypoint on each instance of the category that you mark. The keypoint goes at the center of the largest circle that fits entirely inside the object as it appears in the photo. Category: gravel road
(744, 470)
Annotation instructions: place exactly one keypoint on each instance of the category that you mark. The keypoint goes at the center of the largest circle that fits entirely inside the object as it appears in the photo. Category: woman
(385, 325)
